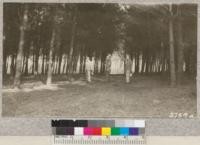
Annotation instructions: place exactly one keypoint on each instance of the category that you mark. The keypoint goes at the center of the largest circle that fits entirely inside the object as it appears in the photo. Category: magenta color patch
(88, 131)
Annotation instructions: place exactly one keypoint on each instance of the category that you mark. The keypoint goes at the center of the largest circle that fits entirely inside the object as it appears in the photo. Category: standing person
(128, 68)
(108, 66)
(89, 68)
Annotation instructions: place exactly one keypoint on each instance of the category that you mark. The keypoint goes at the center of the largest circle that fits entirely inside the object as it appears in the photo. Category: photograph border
(154, 126)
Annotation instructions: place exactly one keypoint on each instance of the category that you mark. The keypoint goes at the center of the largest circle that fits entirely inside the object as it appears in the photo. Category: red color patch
(96, 131)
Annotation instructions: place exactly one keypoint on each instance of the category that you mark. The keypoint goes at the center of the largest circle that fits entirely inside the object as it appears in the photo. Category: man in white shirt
(89, 68)
(128, 68)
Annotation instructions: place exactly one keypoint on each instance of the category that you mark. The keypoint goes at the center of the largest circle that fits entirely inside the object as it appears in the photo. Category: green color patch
(115, 131)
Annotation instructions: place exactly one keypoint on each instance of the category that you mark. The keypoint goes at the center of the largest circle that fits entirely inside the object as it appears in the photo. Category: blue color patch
(134, 131)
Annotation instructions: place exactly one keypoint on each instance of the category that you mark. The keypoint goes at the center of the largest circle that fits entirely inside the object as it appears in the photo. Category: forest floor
(145, 96)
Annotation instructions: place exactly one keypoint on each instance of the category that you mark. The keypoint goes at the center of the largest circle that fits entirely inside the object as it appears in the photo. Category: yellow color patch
(106, 131)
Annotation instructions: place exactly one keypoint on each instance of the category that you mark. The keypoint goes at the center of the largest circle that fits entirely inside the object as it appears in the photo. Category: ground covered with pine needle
(145, 96)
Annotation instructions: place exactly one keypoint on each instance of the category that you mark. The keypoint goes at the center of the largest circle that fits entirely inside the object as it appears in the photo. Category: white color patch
(139, 123)
(78, 131)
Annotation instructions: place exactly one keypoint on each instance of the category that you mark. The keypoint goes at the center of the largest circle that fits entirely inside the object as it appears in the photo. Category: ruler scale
(97, 140)
(98, 132)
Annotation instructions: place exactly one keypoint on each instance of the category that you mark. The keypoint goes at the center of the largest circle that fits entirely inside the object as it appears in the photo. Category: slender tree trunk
(70, 71)
(26, 66)
(171, 51)
(54, 64)
(137, 62)
(84, 63)
(59, 63)
(50, 58)
(150, 64)
(60, 51)
(180, 53)
(102, 65)
(96, 65)
(4, 62)
(162, 58)
(17, 79)
(81, 60)
(36, 62)
(143, 62)
(147, 63)
(46, 64)
(148, 54)
(43, 63)
(65, 64)
(33, 66)
(153, 61)
(12, 65)
(75, 63)
(23, 64)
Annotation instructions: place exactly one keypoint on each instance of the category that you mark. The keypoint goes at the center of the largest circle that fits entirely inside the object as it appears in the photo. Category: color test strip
(104, 131)
(98, 123)
(99, 127)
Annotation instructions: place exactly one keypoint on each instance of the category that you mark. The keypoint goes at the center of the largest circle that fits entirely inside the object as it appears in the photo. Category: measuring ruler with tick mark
(98, 132)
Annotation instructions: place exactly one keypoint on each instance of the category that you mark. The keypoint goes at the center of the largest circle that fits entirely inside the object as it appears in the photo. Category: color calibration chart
(98, 132)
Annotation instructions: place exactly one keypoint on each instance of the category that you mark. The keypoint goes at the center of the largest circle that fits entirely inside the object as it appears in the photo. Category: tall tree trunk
(84, 63)
(137, 62)
(54, 64)
(27, 57)
(143, 62)
(60, 52)
(59, 63)
(17, 79)
(171, 50)
(96, 65)
(193, 62)
(65, 64)
(23, 64)
(37, 52)
(12, 68)
(162, 58)
(50, 57)
(81, 60)
(43, 63)
(33, 66)
(4, 62)
(147, 63)
(151, 64)
(36, 62)
(180, 53)
(70, 69)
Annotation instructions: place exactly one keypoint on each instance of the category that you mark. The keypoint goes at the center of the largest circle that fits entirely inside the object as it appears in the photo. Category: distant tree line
(159, 38)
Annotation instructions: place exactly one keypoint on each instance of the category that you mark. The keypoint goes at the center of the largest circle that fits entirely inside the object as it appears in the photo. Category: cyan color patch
(124, 131)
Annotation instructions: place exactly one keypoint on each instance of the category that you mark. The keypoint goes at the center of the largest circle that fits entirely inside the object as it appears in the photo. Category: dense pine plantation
(54, 39)
(45, 60)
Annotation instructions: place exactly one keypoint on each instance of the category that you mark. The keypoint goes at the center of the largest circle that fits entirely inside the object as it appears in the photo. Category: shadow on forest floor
(145, 96)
